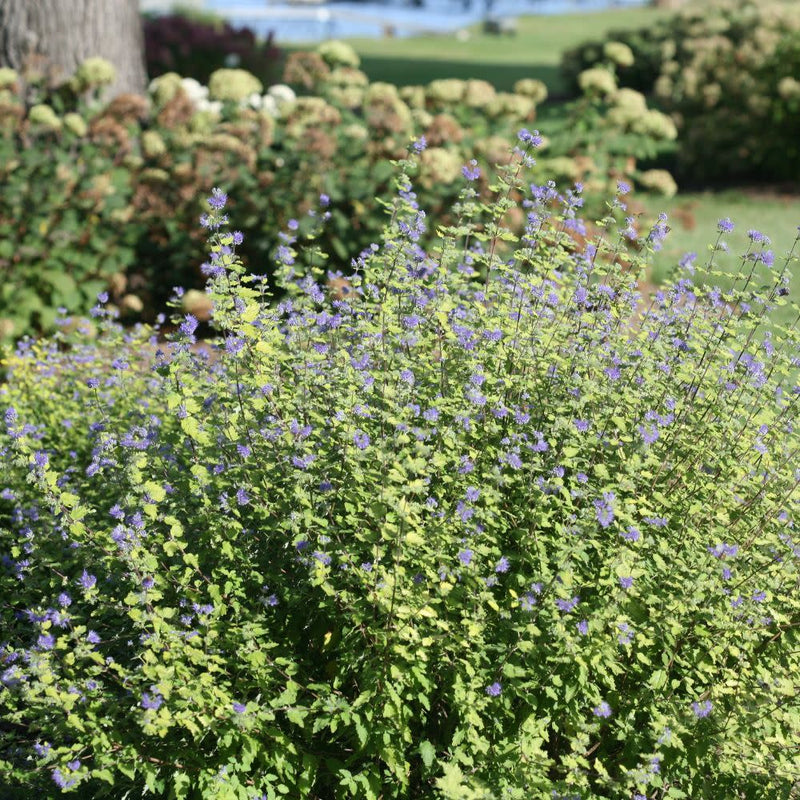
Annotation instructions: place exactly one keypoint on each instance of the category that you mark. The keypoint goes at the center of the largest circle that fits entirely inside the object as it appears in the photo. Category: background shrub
(481, 526)
(137, 166)
(726, 72)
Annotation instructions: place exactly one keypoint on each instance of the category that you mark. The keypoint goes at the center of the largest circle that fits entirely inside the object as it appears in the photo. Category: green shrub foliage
(481, 523)
(108, 198)
(727, 72)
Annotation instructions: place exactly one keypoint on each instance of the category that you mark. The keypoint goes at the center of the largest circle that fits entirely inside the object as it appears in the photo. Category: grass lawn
(534, 52)
(693, 219)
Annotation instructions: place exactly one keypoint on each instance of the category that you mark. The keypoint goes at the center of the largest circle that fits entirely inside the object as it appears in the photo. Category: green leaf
(427, 752)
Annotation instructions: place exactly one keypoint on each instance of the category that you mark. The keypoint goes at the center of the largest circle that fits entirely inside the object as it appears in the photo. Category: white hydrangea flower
(212, 106)
(282, 94)
(195, 91)
(269, 105)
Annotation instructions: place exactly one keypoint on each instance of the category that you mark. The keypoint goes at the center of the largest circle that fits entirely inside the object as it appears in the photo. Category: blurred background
(694, 105)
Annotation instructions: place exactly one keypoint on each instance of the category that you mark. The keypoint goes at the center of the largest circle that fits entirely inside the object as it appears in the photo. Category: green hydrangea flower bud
(43, 116)
(619, 53)
(339, 54)
(233, 84)
(75, 123)
(95, 72)
(8, 78)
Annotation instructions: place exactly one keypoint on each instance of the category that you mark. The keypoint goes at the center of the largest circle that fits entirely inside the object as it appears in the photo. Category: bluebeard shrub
(482, 524)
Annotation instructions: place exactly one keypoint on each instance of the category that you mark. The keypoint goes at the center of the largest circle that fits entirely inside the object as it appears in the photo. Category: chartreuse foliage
(479, 525)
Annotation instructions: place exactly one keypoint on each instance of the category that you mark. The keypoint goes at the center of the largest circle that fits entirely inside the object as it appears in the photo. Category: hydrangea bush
(482, 523)
(726, 71)
(108, 198)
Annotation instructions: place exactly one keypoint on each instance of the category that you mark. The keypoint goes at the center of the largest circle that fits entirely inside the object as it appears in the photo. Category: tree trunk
(55, 36)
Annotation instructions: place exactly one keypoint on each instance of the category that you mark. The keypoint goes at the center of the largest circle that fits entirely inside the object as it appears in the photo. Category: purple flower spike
(218, 199)
(725, 225)
(471, 171)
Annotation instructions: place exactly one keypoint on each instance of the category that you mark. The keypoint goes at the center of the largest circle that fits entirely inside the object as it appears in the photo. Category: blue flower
(567, 605)
(189, 325)
(152, 701)
(725, 225)
(604, 509)
(602, 710)
(533, 139)
(494, 689)
(361, 440)
(218, 199)
(702, 709)
(471, 171)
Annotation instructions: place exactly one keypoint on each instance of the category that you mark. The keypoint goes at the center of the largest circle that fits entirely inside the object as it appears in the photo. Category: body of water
(312, 20)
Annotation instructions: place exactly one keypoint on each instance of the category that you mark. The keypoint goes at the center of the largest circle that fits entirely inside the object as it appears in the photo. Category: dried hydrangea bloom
(507, 104)
(305, 69)
(654, 123)
(347, 76)
(438, 165)
(414, 96)
(478, 93)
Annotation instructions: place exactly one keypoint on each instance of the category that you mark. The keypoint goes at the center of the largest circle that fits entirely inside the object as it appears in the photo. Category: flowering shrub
(479, 524)
(107, 199)
(727, 72)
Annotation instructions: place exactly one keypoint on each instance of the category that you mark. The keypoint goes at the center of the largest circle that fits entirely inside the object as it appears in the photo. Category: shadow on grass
(413, 71)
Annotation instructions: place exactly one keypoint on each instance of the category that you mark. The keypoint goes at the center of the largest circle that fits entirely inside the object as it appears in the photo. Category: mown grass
(534, 52)
(693, 219)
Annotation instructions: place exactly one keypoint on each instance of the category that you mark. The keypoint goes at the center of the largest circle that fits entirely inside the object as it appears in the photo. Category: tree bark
(55, 36)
